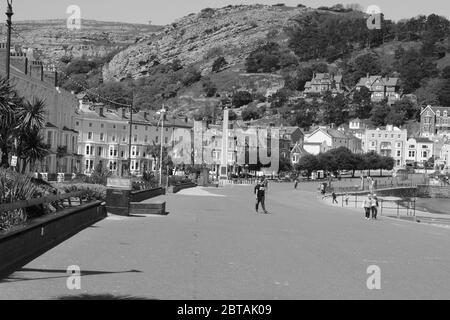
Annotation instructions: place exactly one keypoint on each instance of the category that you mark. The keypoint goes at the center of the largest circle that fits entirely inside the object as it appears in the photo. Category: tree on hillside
(379, 114)
(308, 163)
(414, 68)
(266, 58)
(250, 114)
(354, 70)
(219, 64)
(242, 98)
(362, 103)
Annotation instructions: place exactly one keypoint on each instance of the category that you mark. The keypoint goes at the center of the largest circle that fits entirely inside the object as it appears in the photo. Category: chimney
(146, 116)
(101, 111)
(368, 75)
(123, 113)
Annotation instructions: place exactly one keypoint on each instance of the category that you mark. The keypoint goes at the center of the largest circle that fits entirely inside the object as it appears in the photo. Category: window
(124, 127)
(146, 128)
(124, 139)
(146, 139)
(438, 113)
(445, 113)
(412, 154)
(166, 140)
(77, 123)
(135, 138)
(102, 136)
(90, 125)
(122, 154)
(424, 154)
(135, 127)
(157, 139)
(102, 125)
(399, 144)
(399, 153)
(100, 151)
(88, 150)
(113, 139)
(89, 135)
(114, 126)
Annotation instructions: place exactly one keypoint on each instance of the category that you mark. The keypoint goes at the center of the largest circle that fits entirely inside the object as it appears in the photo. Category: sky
(162, 12)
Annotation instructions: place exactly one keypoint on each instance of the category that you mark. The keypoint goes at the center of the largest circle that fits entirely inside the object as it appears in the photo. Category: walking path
(217, 247)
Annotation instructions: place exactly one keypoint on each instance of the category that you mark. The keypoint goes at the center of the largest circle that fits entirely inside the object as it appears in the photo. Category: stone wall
(428, 191)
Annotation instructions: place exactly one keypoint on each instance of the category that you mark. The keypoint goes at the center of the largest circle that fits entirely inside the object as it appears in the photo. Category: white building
(419, 150)
(445, 157)
(390, 141)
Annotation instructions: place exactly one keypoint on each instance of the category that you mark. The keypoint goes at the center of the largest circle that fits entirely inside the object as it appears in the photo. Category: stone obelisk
(224, 152)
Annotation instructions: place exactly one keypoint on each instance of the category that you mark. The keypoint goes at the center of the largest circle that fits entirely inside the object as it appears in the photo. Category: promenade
(213, 245)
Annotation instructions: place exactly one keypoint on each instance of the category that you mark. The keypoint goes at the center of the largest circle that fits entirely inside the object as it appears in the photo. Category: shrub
(242, 98)
(15, 187)
(218, 64)
(92, 191)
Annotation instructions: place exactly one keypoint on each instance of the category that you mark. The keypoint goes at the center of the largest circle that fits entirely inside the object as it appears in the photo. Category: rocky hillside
(51, 39)
(232, 32)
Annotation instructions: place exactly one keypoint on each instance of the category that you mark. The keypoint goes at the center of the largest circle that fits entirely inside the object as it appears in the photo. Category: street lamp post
(9, 14)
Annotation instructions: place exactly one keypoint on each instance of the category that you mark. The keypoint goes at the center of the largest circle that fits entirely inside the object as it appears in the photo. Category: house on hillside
(419, 150)
(381, 88)
(434, 120)
(293, 134)
(297, 152)
(390, 141)
(322, 82)
(444, 158)
(332, 139)
(357, 127)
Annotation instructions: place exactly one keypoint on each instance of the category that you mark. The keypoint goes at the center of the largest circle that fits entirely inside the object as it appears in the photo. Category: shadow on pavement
(62, 272)
(101, 297)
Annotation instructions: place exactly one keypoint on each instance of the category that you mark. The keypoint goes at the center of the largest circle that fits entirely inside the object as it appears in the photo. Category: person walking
(260, 191)
(346, 198)
(367, 205)
(374, 206)
(296, 183)
(334, 198)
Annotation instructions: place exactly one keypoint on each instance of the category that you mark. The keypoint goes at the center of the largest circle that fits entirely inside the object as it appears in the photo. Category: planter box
(153, 208)
(24, 244)
(178, 187)
(138, 196)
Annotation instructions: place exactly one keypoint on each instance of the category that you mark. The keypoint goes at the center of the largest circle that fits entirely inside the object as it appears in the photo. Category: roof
(50, 125)
(369, 81)
(436, 108)
(423, 140)
(325, 77)
(138, 118)
(290, 130)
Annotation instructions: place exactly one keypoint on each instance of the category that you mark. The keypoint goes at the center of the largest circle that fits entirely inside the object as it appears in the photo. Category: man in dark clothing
(334, 197)
(260, 191)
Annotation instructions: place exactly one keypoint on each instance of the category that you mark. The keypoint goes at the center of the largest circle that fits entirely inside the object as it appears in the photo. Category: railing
(396, 208)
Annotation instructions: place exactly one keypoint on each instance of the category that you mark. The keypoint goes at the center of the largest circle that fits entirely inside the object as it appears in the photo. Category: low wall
(430, 191)
(22, 245)
(179, 187)
(403, 192)
(138, 196)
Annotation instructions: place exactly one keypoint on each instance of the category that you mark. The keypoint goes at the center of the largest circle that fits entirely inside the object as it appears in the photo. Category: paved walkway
(217, 247)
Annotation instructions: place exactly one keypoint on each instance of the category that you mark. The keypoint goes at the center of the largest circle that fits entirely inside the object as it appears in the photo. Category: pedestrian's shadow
(63, 273)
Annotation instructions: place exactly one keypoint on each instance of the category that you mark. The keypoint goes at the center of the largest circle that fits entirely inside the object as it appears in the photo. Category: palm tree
(33, 149)
(31, 119)
(8, 101)
(31, 115)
